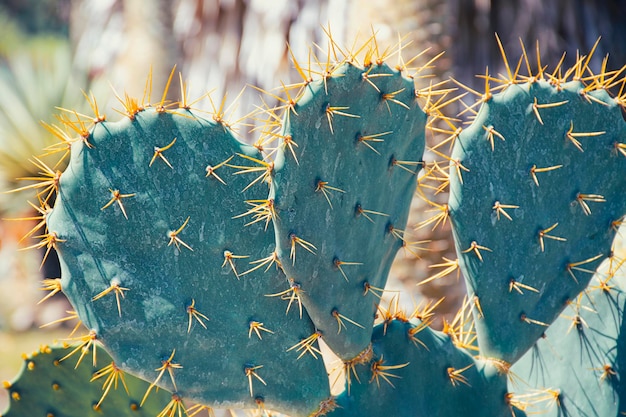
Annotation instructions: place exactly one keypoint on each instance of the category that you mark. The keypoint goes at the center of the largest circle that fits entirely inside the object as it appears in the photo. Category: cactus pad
(148, 231)
(49, 385)
(537, 193)
(576, 368)
(342, 195)
(408, 359)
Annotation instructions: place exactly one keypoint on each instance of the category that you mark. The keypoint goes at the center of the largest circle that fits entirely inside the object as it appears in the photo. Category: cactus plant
(162, 222)
(575, 368)
(357, 130)
(540, 168)
(51, 384)
(159, 296)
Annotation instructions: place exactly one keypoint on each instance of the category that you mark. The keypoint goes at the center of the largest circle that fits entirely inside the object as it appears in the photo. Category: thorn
(476, 302)
(166, 365)
(456, 375)
(262, 210)
(173, 235)
(307, 345)
(406, 164)
(158, 153)
(228, 259)
(360, 211)
(582, 199)
(324, 188)
(72, 315)
(382, 371)
(250, 372)
(544, 233)
(174, 407)
(499, 208)
(413, 331)
(528, 320)
(365, 139)
(48, 241)
(340, 318)
(391, 97)
(449, 265)
(368, 78)
(571, 135)
(269, 261)
(117, 198)
(337, 263)
(87, 342)
(257, 327)
(518, 286)
(266, 169)
(458, 167)
(608, 373)
(52, 285)
(575, 266)
(292, 294)
(534, 170)
(195, 314)
(337, 110)
(378, 292)
(91, 100)
(349, 367)
(49, 181)
(296, 241)
(210, 170)
(491, 132)
(438, 219)
(113, 376)
(161, 107)
(115, 288)
(578, 322)
(476, 248)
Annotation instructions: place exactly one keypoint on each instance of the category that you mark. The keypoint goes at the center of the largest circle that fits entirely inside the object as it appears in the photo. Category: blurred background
(54, 51)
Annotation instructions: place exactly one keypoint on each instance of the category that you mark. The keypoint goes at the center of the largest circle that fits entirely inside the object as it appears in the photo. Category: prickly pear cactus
(536, 197)
(351, 150)
(51, 384)
(161, 222)
(575, 367)
(406, 359)
(148, 230)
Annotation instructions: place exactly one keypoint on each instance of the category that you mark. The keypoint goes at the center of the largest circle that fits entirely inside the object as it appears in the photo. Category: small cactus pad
(352, 146)
(149, 235)
(49, 385)
(538, 189)
(576, 369)
(416, 371)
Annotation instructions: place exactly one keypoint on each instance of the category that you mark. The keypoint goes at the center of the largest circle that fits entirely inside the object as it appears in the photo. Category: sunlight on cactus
(218, 271)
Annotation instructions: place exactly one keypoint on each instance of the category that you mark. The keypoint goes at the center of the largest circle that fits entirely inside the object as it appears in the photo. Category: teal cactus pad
(360, 139)
(50, 386)
(423, 387)
(577, 368)
(170, 248)
(535, 205)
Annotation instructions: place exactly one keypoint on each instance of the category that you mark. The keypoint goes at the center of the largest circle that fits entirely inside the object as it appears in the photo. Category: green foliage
(35, 78)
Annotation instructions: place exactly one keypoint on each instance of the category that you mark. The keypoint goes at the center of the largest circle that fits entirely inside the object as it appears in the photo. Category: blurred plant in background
(36, 75)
